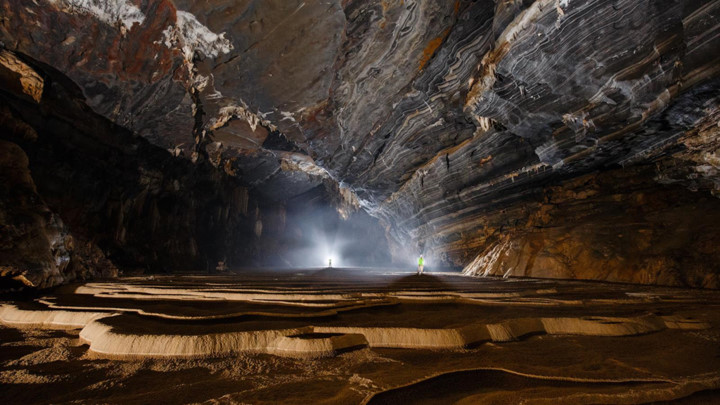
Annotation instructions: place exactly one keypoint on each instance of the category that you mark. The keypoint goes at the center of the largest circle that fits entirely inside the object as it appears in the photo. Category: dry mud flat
(360, 336)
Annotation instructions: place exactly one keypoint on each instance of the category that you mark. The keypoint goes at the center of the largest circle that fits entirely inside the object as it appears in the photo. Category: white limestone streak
(241, 112)
(524, 20)
(487, 261)
(190, 35)
(485, 123)
(110, 12)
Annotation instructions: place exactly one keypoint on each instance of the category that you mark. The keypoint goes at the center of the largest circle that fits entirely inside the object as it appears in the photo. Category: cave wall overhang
(432, 115)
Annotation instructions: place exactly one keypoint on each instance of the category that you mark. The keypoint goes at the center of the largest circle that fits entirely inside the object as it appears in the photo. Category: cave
(360, 201)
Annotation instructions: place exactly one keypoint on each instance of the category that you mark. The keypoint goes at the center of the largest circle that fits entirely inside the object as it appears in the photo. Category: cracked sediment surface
(354, 335)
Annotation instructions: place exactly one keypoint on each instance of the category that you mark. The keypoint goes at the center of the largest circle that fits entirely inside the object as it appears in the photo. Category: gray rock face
(82, 197)
(33, 249)
(438, 115)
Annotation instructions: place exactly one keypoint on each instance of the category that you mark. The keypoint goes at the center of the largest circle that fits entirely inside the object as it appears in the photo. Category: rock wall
(649, 218)
(82, 197)
(37, 249)
(33, 248)
(618, 226)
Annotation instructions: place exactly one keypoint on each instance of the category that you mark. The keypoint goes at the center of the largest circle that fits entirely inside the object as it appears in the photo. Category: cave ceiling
(412, 106)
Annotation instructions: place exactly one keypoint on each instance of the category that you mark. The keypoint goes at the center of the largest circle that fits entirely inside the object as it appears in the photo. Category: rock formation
(546, 138)
(357, 335)
(222, 317)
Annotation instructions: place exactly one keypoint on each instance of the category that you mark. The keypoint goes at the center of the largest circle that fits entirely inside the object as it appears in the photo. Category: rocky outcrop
(438, 117)
(33, 250)
(19, 78)
(82, 197)
(37, 249)
(612, 226)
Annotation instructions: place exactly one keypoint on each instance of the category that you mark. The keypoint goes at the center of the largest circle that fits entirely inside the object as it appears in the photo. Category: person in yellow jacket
(421, 265)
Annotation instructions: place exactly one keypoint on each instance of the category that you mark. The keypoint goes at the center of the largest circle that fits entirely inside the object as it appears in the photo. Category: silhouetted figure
(330, 263)
(421, 265)
(221, 267)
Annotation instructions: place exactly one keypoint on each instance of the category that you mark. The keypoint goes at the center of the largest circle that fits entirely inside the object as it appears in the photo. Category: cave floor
(360, 336)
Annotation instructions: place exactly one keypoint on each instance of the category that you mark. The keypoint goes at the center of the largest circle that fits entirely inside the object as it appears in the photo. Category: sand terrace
(433, 325)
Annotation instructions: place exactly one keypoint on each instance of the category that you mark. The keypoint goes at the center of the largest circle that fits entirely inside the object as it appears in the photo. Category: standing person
(421, 264)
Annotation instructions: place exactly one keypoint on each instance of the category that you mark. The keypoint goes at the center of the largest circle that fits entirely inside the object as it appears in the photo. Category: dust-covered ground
(626, 344)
